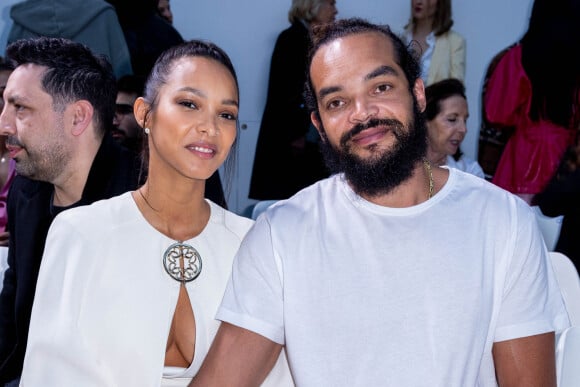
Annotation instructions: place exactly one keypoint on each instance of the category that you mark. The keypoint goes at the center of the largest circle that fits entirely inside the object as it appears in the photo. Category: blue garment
(90, 22)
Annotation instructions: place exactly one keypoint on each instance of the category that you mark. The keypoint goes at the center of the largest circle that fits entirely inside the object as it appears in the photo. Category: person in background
(287, 156)
(562, 197)
(535, 88)
(59, 105)
(164, 10)
(126, 131)
(90, 22)
(446, 114)
(442, 49)
(168, 251)
(147, 34)
(369, 257)
(7, 165)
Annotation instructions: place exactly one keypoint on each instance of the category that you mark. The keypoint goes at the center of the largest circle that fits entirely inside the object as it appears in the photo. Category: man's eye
(383, 88)
(334, 104)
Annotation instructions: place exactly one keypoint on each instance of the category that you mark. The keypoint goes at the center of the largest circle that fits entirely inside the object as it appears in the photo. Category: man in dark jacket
(60, 100)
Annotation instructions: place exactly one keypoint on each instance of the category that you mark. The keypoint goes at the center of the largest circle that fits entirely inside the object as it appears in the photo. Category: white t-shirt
(365, 295)
(104, 303)
(465, 164)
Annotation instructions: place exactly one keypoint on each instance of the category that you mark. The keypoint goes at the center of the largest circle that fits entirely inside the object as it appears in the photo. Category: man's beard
(381, 172)
(43, 163)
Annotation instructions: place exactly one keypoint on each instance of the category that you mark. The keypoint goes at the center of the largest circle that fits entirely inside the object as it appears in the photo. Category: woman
(129, 286)
(287, 142)
(442, 49)
(562, 197)
(535, 88)
(446, 115)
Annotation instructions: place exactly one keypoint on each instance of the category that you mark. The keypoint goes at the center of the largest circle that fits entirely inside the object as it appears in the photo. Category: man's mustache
(13, 141)
(396, 125)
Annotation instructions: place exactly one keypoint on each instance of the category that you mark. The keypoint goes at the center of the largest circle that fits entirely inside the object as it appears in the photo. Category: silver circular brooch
(182, 262)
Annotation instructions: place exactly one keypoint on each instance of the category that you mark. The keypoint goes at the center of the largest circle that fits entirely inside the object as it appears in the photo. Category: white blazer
(448, 60)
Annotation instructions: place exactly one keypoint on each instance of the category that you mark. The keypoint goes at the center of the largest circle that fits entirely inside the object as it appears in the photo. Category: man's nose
(7, 126)
(363, 111)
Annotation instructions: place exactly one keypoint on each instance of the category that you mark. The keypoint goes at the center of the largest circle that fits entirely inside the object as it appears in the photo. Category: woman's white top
(104, 302)
(465, 164)
(426, 55)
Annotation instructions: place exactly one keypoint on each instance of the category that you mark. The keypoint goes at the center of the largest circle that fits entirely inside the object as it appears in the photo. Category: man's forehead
(353, 54)
(350, 45)
(26, 76)
(24, 83)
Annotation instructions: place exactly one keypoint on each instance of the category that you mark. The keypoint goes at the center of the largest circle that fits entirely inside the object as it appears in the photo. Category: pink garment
(533, 152)
(4, 195)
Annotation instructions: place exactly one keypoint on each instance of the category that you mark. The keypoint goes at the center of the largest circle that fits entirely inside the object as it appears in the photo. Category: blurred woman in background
(446, 114)
(535, 88)
(443, 50)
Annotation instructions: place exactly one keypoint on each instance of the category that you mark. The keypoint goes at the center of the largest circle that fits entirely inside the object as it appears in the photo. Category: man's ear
(82, 116)
(315, 118)
(140, 110)
(419, 91)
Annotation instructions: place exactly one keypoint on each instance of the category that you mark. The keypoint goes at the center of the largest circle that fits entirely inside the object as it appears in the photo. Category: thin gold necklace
(427, 165)
(145, 200)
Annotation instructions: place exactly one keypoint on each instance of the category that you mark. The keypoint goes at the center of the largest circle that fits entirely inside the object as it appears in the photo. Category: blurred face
(326, 13)
(4, 74)
(423, 9)
(447, 130)
(36, 134)
(193, 125)
(368, 116)
(125, 125)
(165, 10)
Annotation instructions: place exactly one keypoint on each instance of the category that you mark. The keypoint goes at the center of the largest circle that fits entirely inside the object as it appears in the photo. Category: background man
(125, 129)
(398, 286)
(59, 102)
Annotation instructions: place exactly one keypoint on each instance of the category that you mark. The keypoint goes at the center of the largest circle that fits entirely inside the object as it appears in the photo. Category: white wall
(247, 30)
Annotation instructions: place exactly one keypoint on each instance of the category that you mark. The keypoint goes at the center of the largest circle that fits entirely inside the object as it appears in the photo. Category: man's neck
(69, 187)
(437, 158)
(413, 191)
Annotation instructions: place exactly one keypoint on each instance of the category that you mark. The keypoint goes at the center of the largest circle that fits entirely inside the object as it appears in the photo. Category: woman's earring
(146, 130)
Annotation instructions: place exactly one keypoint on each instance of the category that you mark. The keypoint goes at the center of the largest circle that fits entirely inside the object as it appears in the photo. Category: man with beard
(126, 131)
(391, 272)
(59, 102)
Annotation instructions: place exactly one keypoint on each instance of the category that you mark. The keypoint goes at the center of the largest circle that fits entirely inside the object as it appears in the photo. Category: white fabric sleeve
(57, 302)
(253, 297)
(531, 302)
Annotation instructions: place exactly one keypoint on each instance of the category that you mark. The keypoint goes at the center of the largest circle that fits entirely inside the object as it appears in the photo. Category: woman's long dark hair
(551, 61)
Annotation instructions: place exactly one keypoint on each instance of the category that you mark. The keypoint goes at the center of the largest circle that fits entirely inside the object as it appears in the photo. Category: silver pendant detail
(191, 262)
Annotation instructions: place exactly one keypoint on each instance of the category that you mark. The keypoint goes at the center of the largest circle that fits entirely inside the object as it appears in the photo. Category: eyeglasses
(123, 108)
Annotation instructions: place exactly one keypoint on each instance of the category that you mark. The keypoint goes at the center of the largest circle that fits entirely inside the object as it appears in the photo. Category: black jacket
(30, 213)
(281, 169)
(562, 197)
